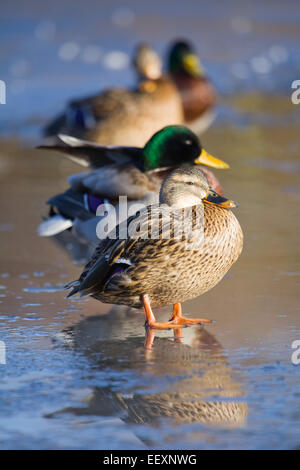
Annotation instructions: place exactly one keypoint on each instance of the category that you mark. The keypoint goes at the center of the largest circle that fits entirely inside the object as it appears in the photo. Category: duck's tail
(55, 224)
(75, 285)
(93, 155)
(65, 208)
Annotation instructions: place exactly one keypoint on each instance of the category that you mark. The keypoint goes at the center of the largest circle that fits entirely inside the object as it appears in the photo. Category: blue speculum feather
(94, 202)
(80, 117)
(120, 268)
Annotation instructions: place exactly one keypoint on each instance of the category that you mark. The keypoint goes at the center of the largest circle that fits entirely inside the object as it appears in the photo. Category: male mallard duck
(118, 171)
(174, 251)
(197, 93)
(120, 116)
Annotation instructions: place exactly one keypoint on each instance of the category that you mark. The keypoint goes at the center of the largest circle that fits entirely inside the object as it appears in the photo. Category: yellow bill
(192, 64)
(207, 159)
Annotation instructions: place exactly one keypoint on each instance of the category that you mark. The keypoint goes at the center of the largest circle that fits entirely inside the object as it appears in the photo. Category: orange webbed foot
(176, 320)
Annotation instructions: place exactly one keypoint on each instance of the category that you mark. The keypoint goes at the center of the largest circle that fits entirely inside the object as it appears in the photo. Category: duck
(119, 116)
(196, 90)
(167, 253)
(114, 171)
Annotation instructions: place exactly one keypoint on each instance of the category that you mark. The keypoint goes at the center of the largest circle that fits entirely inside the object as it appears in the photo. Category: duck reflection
(185, 378)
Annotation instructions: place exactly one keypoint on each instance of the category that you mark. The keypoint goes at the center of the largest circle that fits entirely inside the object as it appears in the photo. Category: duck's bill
(148, 86)
(192, 64)
(214, 198)
(207, 159)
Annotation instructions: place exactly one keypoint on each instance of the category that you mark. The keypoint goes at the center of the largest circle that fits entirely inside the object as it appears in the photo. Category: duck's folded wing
(113, 181)
(71, 204)
(55, 126)
(104, 260)
(99, 267)
(116, 252)
(90, 154)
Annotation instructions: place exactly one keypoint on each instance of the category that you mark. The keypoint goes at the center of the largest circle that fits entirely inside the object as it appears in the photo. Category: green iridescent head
(175, 146)
(183, 59)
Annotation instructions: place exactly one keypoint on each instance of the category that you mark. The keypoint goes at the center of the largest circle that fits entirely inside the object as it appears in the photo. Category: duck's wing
(113, 181)
(55, 126)
(99, 268)
(71, 204)
(87, 112)
(106, 103)
(142, 232)
(90, 154)
(101, 187)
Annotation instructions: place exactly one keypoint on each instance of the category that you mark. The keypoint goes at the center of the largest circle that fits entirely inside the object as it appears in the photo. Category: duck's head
(175, 146)
(183, 59)
(185, 187)
(147, 62)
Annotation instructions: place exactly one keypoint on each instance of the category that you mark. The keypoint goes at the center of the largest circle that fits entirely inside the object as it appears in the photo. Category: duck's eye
(190, 183)
(188, 142)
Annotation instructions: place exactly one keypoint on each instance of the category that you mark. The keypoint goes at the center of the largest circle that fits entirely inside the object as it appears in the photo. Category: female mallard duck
(120, 116)
(118, 171)
(174, 251)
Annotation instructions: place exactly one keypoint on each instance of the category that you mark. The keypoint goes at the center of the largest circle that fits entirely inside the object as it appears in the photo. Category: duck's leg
(150, 320)
(176, 320)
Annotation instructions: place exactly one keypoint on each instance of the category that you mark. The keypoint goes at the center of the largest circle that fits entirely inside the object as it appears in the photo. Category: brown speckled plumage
(130, 117)
(126, 117)
(169, 270)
